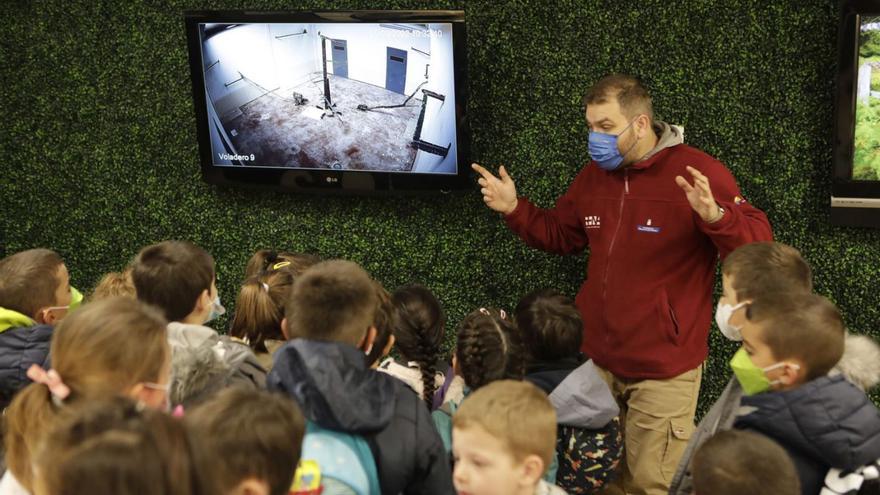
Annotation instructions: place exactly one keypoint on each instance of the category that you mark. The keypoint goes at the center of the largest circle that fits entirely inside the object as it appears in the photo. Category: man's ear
(531, 470)
(366, 343)
(284, 329)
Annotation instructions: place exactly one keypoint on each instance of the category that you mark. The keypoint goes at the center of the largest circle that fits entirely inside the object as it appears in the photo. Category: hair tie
(485, 311)
(266, 286)
(503, 314)
(52, 380)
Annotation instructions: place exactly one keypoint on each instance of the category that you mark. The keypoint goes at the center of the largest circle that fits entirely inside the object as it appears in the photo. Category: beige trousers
(657, 419)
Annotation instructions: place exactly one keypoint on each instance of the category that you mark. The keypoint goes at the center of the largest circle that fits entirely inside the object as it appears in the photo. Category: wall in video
(866, 156)
(372, 97)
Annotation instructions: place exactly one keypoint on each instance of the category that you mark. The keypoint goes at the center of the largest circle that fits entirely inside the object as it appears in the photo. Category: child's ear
(47, 316)
(367, 342)
(793, 372)
(387, 350)
(284, 329)
(455, 364)
(251, 486)
(531, 470)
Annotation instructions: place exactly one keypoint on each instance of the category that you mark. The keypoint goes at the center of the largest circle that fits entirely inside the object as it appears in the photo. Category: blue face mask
(604, 151)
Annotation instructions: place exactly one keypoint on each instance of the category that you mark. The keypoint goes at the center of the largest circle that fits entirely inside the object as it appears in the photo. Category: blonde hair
(100, 350)
(517, 413)
(114, 284)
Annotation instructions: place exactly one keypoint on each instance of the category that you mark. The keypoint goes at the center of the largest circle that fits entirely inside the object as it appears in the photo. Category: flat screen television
(342, 101)
(855, 191)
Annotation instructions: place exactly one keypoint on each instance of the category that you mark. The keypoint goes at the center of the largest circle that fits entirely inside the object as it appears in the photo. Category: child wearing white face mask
(178, 277)
(755, 269)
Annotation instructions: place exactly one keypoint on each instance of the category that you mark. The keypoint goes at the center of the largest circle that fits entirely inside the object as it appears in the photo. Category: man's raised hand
(499, 193)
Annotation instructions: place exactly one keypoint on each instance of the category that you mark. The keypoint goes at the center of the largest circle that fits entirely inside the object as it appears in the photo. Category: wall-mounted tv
(855, 199)
(353, 101)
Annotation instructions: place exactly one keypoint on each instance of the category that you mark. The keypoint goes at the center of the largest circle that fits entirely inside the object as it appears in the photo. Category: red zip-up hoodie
(647, 299)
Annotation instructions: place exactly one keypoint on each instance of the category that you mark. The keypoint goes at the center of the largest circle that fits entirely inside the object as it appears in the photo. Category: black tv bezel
(843, 187)
(329, 180)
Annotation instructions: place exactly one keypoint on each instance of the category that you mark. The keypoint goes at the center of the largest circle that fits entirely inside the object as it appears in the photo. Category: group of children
(327, 383)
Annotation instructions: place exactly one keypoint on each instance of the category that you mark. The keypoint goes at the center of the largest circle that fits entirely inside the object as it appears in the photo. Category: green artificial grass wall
(99, 152)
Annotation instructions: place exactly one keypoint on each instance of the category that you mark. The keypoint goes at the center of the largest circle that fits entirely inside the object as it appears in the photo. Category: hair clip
(503, 314)
(280, 264)
(485, 312)
(52, 380)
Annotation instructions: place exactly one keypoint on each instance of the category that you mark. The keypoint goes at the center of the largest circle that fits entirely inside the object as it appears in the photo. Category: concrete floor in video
(280, 133)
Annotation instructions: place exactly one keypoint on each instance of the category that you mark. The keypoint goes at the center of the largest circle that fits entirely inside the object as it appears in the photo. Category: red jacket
(647, 299)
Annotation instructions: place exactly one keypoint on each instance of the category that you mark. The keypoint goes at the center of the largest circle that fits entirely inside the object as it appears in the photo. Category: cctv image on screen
(866, 155)
(371, 97)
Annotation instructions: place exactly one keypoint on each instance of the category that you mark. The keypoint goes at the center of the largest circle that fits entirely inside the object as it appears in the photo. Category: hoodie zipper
(611, 248)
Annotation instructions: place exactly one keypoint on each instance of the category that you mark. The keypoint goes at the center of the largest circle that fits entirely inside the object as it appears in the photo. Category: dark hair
(550, 325)
(259, 308)
(735, 462)
(266, 260)
(99, 350)
(29, 280)
(800, 325)
(332, 301)
(171, 275)
(382, 324)
(760, 268)
(489, 348)
(254, 433)
(632, 96)
(418, 324)
(113, 446)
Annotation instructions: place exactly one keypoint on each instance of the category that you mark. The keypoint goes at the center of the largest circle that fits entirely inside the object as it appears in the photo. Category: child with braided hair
(417, 324)
(488, 348)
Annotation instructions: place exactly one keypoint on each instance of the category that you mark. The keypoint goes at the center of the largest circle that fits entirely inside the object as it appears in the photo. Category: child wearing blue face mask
(178, 277)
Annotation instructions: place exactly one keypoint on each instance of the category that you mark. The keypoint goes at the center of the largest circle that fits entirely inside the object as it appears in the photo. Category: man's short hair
(255, 434)
(551, 325)
(737, 462)
(29, 280)
(800, 325)
(333, 301)
(632, 96)
(517, 413)
(760, 268)
(171, 275)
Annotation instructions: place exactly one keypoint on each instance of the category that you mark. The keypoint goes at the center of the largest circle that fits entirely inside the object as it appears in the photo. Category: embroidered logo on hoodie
(592, 222)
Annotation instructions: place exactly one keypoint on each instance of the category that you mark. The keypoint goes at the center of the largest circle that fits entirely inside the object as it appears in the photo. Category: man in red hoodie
(656, 214)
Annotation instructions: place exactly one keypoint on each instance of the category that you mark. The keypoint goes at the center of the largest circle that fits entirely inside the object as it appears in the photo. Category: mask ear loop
(778, 365)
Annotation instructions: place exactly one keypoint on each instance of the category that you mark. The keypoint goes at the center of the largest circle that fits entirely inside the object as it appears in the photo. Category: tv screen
(330, 100)
(855, 199)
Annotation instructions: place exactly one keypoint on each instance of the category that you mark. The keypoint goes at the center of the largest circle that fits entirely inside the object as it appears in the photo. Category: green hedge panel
(100, 155)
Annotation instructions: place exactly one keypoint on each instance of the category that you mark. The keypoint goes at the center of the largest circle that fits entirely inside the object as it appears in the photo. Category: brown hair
(113, 446)
(259, 308)
(735, 462)
(332, 301)
(266, 260)
(100, 350)
(631, 95)
(800, 325)
(488, 348)
(254, 433)
(761, 268)
(418, 326)
(29, 280)
(517, 413)
(114, 284)
(382, 322)
(172, 275)
(550, 324)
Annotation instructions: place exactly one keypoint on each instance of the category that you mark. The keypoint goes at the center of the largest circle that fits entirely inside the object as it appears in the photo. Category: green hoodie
(13, 319)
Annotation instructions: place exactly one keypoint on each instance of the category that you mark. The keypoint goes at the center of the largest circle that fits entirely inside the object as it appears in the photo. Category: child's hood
(583, 399)
(13, 319)
(829, 419)
(333, 385)
(860, 363)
